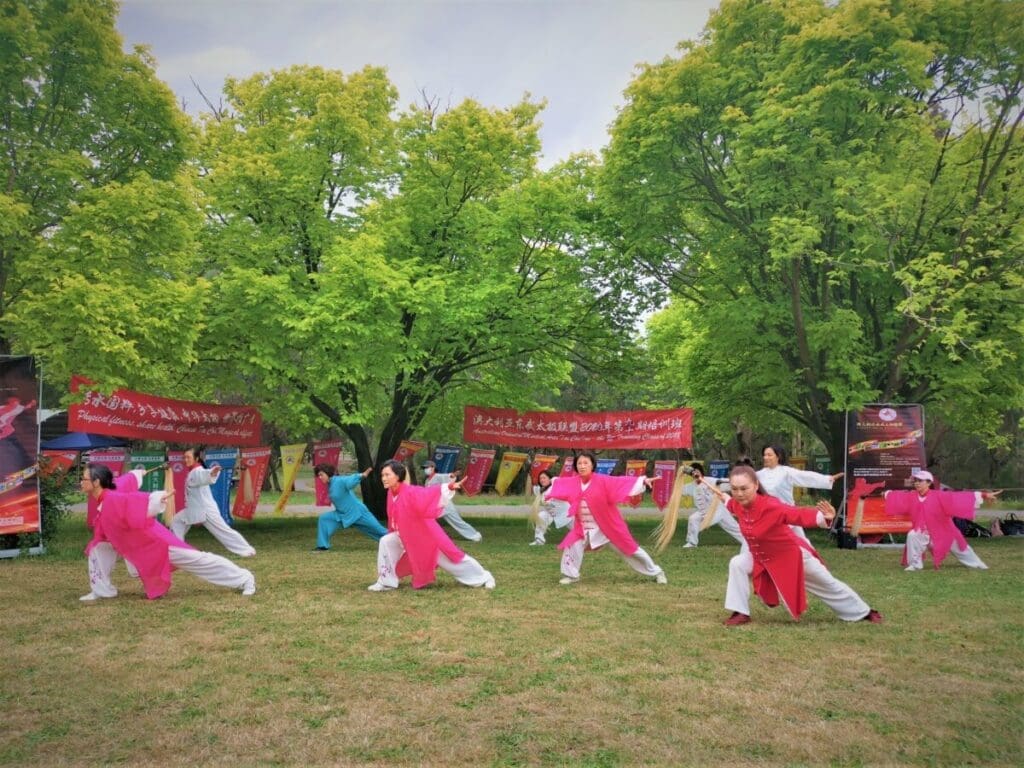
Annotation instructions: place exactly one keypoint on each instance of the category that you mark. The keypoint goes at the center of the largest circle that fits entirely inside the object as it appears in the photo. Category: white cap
(922, 474)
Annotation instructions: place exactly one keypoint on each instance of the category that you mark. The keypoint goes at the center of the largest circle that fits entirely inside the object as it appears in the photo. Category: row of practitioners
(781, 562)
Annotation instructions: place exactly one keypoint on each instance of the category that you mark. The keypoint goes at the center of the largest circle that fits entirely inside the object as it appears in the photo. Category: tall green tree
(830, 193)
(97, 223)
(370, 271)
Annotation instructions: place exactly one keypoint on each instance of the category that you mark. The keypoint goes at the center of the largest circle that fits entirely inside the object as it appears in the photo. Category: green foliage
(834, 220)
(97, 224)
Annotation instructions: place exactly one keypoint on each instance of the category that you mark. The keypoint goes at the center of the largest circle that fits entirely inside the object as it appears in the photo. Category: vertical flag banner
(252, 471)
(19, 441)
(688, 501)
(57, 461)
(567, 470)
(662, 490)
(605, 466)
(446, 457)
(479, 466)
(291, 460)
(636, 468)
(327, 452)
(540, 463)
(148, 462)
(511, 463)
(176, 463)
(408, 449)
(225, 458)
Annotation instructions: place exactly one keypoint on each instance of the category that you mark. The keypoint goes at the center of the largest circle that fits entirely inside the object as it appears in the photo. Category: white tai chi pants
(572, 556)
(206, 565)
(722, 519)
(454, 519)
(232, 540)
(390, 550)
(817, 579)
(918, 543)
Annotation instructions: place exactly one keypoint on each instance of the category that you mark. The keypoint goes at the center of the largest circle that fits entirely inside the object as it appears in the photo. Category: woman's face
(543, 479)
(770, 458)
(744, 489)
(584, 467)
(389, 478)
(190, 459)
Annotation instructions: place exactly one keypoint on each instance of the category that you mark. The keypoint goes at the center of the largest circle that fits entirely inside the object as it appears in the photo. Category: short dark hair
(698, 467)
(102, 475)
(779, 451)
(327, 469)
(589, 454)
(398, 468)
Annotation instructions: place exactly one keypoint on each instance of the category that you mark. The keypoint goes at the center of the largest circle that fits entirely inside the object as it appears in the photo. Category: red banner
(540, 463)
(573, 429)
(176, 462)
(662, 490)
(57, 461)
(325, 453)
(133, 414)
(477, 469)
(408, 449)
(567, 468)
(252, 471)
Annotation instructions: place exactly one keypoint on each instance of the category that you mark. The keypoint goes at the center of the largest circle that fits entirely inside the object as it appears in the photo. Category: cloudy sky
(579, 55)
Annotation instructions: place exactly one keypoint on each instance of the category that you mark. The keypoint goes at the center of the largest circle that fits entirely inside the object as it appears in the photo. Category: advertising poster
(19, 441)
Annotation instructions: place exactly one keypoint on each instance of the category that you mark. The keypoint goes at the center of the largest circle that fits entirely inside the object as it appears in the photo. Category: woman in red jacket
(782, 564)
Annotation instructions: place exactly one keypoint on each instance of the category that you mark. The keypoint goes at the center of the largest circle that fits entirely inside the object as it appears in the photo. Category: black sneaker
(321, 549)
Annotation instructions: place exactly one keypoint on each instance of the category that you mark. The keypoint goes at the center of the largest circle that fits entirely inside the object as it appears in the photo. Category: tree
(422, 262)
(96, 222)
(830, 193)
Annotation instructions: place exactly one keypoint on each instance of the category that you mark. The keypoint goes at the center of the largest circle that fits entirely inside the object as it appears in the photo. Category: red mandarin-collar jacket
(413, 513)
(777, 551)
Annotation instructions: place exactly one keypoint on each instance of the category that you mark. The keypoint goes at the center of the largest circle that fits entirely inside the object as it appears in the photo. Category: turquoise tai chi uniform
(348, 512)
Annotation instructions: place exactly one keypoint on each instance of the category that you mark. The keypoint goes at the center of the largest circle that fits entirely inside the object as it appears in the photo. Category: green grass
(315, 670)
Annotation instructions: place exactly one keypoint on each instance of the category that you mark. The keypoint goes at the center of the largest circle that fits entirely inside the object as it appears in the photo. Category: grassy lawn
(315, 670)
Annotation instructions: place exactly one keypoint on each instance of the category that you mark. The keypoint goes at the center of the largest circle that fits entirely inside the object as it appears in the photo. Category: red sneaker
(873, 616)
(737, 619)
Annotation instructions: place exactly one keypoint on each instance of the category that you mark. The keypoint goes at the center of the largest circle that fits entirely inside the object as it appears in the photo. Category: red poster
(408, 449)
(540, 463)
(57, 461)
(325, 453)
(252, 471)
(662, 490)
(133, 414)
(573, 429)
(477, 469)
(885, 446)
(176, 462)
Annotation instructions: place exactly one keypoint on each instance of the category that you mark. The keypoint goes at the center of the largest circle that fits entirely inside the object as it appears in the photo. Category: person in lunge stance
(782, 564)
(593, 504)
(706, 503)
(931, 513)
(417, 545)
(450, 513)
(349, 511)
(126, 520)
(547, 511)
(201, 509)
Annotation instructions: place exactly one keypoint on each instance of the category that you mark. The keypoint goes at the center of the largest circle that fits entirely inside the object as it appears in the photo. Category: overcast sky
(577, 54)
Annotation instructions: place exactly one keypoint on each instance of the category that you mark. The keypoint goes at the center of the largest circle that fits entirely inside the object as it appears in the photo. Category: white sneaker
(249, 588)
(689, 546)
(536, 543)
(489, 584)
(377, 587)
(567, 580)
(477, 538)
(661, 578)
(250, 552)
(92, 597)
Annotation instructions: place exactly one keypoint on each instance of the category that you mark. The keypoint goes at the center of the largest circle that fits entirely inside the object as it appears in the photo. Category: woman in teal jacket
(348, 512)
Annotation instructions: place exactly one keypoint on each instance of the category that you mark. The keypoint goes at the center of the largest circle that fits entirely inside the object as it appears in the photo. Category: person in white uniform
(549, 511)
(705, 502)
(778, 479)
(451, 513)
(201, 509)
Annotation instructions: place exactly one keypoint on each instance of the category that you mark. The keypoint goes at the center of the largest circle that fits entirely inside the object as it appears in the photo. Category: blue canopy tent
(82, 441)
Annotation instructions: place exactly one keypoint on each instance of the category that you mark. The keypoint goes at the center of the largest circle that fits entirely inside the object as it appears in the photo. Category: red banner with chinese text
(124, 413)
(636, 468)
(408, 449)
(540, 463)
(477, 469)
(328, 452)
(574, 429)
(665, 471)
(252, 471)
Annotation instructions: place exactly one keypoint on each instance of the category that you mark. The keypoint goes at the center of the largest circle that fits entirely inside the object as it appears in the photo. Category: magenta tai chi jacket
(413, 513)
(603, 495)
(934, 513)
